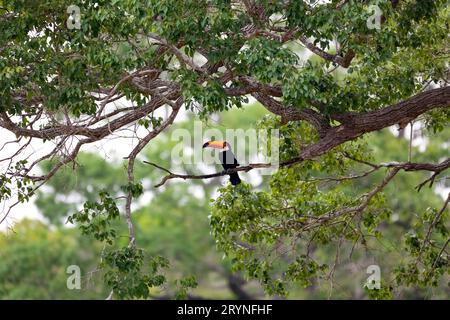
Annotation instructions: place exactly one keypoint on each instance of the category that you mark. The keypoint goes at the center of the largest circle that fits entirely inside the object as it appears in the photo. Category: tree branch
(343, 61)
(294, 114)
(395, 166)
(131, 159)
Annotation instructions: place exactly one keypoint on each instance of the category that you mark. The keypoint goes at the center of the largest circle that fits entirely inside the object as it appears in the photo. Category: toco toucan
(226, 157)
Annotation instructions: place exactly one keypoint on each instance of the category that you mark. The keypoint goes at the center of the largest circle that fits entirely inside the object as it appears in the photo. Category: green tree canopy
(76, 73)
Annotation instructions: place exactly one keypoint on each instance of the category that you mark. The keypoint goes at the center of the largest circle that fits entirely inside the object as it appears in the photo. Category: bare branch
(343, 61)
(427, 239)
(294, 114)
(172, 175)
(131, 159)
(184, 59)
(367, 198)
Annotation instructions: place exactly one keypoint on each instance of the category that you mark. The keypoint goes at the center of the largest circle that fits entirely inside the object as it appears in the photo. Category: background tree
(35, 261)
(61, 85)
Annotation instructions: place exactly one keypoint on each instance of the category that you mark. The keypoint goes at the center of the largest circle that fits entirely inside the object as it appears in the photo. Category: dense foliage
(68, 81)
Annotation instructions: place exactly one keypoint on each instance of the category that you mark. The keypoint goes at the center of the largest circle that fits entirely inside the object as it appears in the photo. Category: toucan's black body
(227, 158)
(228, 162)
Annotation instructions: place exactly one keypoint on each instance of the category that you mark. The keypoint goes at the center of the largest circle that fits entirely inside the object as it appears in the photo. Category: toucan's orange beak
(215, 144)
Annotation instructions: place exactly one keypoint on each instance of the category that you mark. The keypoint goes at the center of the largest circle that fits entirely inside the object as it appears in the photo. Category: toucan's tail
(234, 178)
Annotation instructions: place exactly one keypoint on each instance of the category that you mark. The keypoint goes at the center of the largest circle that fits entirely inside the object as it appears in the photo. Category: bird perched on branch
(227, 158)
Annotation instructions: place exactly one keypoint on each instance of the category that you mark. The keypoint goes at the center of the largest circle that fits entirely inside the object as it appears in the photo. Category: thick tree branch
(356, 124)
(172, 175)
(82, 130)
(294, 114)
